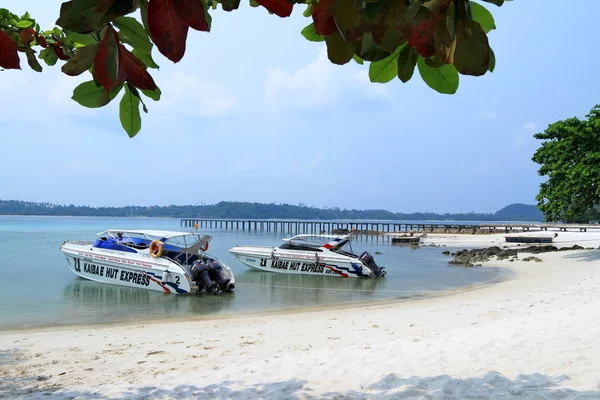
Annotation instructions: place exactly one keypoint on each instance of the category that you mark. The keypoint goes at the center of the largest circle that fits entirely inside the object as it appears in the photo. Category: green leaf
(358, 60)
(308, 12)
(309, 33)
(496, 2)
(89, 95)
(443, 80)
(385, 70)
(144, 14)
(146, 59)
(472, 55)
(407, 60)
(483, 16)
(49, 56)
(23, 24)
(81, 61)
(338, 51)
(369, 50)
(492, 61)
(348, 20)
(32, 60)
(80, 16)
(83, 39)
(134, 31)
(153, 94)
(57, 32)
(129, 113)
(451, 19)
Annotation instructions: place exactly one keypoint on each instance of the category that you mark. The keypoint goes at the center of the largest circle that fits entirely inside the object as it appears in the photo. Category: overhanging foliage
(442, 38)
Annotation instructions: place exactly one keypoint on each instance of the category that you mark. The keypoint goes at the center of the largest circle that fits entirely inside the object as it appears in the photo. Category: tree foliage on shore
(442, 39)
(570, 158)
(232, 210)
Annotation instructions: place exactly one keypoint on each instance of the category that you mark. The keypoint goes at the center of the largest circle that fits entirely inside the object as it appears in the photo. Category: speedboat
(166, 261)
(326, 255)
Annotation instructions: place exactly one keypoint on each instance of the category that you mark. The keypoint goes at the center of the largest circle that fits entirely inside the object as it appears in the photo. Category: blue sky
(254, 112)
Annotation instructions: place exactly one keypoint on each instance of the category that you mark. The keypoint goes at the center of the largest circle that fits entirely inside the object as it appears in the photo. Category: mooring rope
(31, 252)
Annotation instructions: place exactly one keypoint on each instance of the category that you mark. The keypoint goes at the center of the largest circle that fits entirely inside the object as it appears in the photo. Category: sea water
(38, 288)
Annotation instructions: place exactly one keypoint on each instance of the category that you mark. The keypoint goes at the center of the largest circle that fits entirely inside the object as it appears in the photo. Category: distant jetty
(371, 227)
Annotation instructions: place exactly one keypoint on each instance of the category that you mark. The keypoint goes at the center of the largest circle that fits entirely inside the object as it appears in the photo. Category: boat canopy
(152, 233)
(318, 240)
(175, 238)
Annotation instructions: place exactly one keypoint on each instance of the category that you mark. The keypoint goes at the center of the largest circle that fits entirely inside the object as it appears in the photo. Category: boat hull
(300, 264)
(107, 267)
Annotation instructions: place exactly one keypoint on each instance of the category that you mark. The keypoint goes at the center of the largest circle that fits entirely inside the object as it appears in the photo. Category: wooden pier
(328, 227)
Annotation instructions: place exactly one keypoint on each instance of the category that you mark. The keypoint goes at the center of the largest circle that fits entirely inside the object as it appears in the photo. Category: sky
(255, 112)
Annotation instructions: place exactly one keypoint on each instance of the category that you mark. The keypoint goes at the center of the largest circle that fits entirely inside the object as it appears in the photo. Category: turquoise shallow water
(40, 290)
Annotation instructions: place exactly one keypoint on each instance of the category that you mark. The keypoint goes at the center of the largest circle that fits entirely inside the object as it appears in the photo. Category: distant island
(233, 209)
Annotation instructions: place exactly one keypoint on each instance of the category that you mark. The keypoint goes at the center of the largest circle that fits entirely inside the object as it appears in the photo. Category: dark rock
(446, 253)
(477, 256)
(532, 258)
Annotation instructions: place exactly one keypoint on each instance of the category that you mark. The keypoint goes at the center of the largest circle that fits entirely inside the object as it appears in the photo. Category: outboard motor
(214, 271)
(200, 274)
(368, 259)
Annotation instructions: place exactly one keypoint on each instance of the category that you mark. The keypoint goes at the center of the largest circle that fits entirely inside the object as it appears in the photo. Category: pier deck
(328, 227)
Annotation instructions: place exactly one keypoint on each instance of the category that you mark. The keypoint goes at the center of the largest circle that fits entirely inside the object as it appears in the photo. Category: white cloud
(43, 98)
(319, 83)
(524, 134)
(187, 95)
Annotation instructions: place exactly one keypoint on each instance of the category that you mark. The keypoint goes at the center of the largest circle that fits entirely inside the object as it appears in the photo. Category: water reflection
(89, 301)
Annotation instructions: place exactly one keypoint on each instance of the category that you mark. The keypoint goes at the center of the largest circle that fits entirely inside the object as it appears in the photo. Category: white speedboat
(326, 255)
(166, 261)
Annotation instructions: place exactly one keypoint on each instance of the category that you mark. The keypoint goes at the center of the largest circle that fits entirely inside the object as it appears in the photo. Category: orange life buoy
(204, 246)
(156, 248)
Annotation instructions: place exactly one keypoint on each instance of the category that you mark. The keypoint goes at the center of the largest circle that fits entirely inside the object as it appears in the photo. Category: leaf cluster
(441, 38)
(570, 159)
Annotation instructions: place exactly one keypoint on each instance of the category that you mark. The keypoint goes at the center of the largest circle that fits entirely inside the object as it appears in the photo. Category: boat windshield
(344, 247)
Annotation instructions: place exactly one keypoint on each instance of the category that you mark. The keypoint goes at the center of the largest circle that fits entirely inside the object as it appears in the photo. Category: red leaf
(167, 30)
(43, 41)
(59, 52)
(192, 12)
(422, 37)
(106, 57)
(27, 36)
(280, 8)
(322, 15)
(133, 70)
(9, 58)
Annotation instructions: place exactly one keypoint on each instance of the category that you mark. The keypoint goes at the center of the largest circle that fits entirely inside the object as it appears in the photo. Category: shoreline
(533, 336)
(505, 274)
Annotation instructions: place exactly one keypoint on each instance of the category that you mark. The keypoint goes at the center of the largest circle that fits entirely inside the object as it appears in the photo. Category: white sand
(534, 337)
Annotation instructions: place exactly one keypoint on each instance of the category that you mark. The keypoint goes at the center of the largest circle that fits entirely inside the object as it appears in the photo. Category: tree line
(230, 209)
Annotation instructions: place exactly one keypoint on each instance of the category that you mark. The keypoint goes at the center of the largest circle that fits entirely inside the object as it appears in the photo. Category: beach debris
(43, 377)
(469, 258)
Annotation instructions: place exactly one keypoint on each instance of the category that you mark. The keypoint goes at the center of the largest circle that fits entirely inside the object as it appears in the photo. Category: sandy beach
(533, 336)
